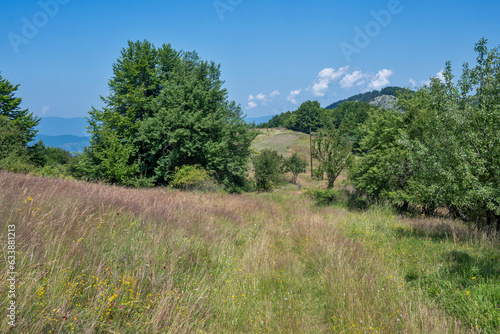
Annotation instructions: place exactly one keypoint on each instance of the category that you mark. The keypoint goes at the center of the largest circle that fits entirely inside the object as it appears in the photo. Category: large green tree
(170, 109)
(10, 108)
(309, 116)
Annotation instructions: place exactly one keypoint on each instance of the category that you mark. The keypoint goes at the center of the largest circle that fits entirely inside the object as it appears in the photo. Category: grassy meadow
(94, 258)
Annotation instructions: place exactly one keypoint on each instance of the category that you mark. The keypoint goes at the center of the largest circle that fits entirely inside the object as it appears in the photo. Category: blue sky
(273, 54)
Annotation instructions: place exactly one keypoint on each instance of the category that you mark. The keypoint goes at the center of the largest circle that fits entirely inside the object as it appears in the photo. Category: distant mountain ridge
(57, 126)
(374, 97)
(258, 120)
(66, 142)
(70, 134)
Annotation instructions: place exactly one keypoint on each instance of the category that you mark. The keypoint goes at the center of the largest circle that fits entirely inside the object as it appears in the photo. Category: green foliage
(37, 154)
(455, 141)
(169, 109)
(58, 156)
(294, 165)
(323, 196)
(280, 120)
(268, 167)
(308, 117)
(10, 108)
(383, 168)
(17, 164)
(444, 151)
(194, 178)
(60, 171)
(351, 115)
(13, 154)
(10, 138)
(108, 160)
(333, 151)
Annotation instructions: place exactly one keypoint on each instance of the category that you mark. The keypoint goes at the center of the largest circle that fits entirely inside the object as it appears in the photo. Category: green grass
(100, 259)
(456, 267)
(281, 140)
(286, 142)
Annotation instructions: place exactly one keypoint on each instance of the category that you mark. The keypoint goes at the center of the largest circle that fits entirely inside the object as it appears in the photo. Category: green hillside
(368, 96)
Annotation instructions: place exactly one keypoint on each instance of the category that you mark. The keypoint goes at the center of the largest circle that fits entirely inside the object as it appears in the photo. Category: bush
(17, 164)
(194, 178)
(57, 171)
(268, 166)
(324, 196)
(295, 165)
(356, 202)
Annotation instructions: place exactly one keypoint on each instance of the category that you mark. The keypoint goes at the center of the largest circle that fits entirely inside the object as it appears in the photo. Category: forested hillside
(369, 96)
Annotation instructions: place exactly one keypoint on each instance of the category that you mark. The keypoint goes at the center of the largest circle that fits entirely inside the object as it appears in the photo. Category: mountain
(258, 120)
(374, 98)
(66, 133)
(66, 142)
(57, 126)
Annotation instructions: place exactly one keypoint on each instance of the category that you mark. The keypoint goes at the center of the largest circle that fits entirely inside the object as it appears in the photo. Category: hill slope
(380, 98)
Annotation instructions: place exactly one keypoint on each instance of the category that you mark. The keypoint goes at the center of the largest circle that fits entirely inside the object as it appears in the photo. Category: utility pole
(310, 151)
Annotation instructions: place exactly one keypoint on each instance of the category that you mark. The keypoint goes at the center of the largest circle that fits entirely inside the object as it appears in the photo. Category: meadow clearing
(93, 258)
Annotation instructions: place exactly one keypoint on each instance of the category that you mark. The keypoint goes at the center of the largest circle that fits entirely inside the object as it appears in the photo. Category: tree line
(168, 121)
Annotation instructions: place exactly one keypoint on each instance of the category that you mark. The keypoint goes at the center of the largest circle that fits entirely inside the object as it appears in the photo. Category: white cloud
(45, 109)
(325, 78)
(440, 76)
(413, 83)
(381, 79)
(350, 79)
(293, 95)
(262, 99)
(251, 105)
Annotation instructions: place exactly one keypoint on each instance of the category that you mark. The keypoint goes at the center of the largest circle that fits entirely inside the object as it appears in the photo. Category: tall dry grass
(94, 258)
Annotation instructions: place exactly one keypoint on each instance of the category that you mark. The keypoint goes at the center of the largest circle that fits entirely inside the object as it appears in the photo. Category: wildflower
(468, 293)
(121, 306)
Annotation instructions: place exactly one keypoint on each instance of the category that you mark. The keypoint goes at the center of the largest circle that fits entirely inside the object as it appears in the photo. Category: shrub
(57, 171)
(324, 196)
(295, 165)
(17, 164)
(194, 178)
(268, 166)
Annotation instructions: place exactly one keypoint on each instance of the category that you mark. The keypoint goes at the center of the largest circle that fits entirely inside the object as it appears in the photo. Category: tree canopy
(166, 109)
